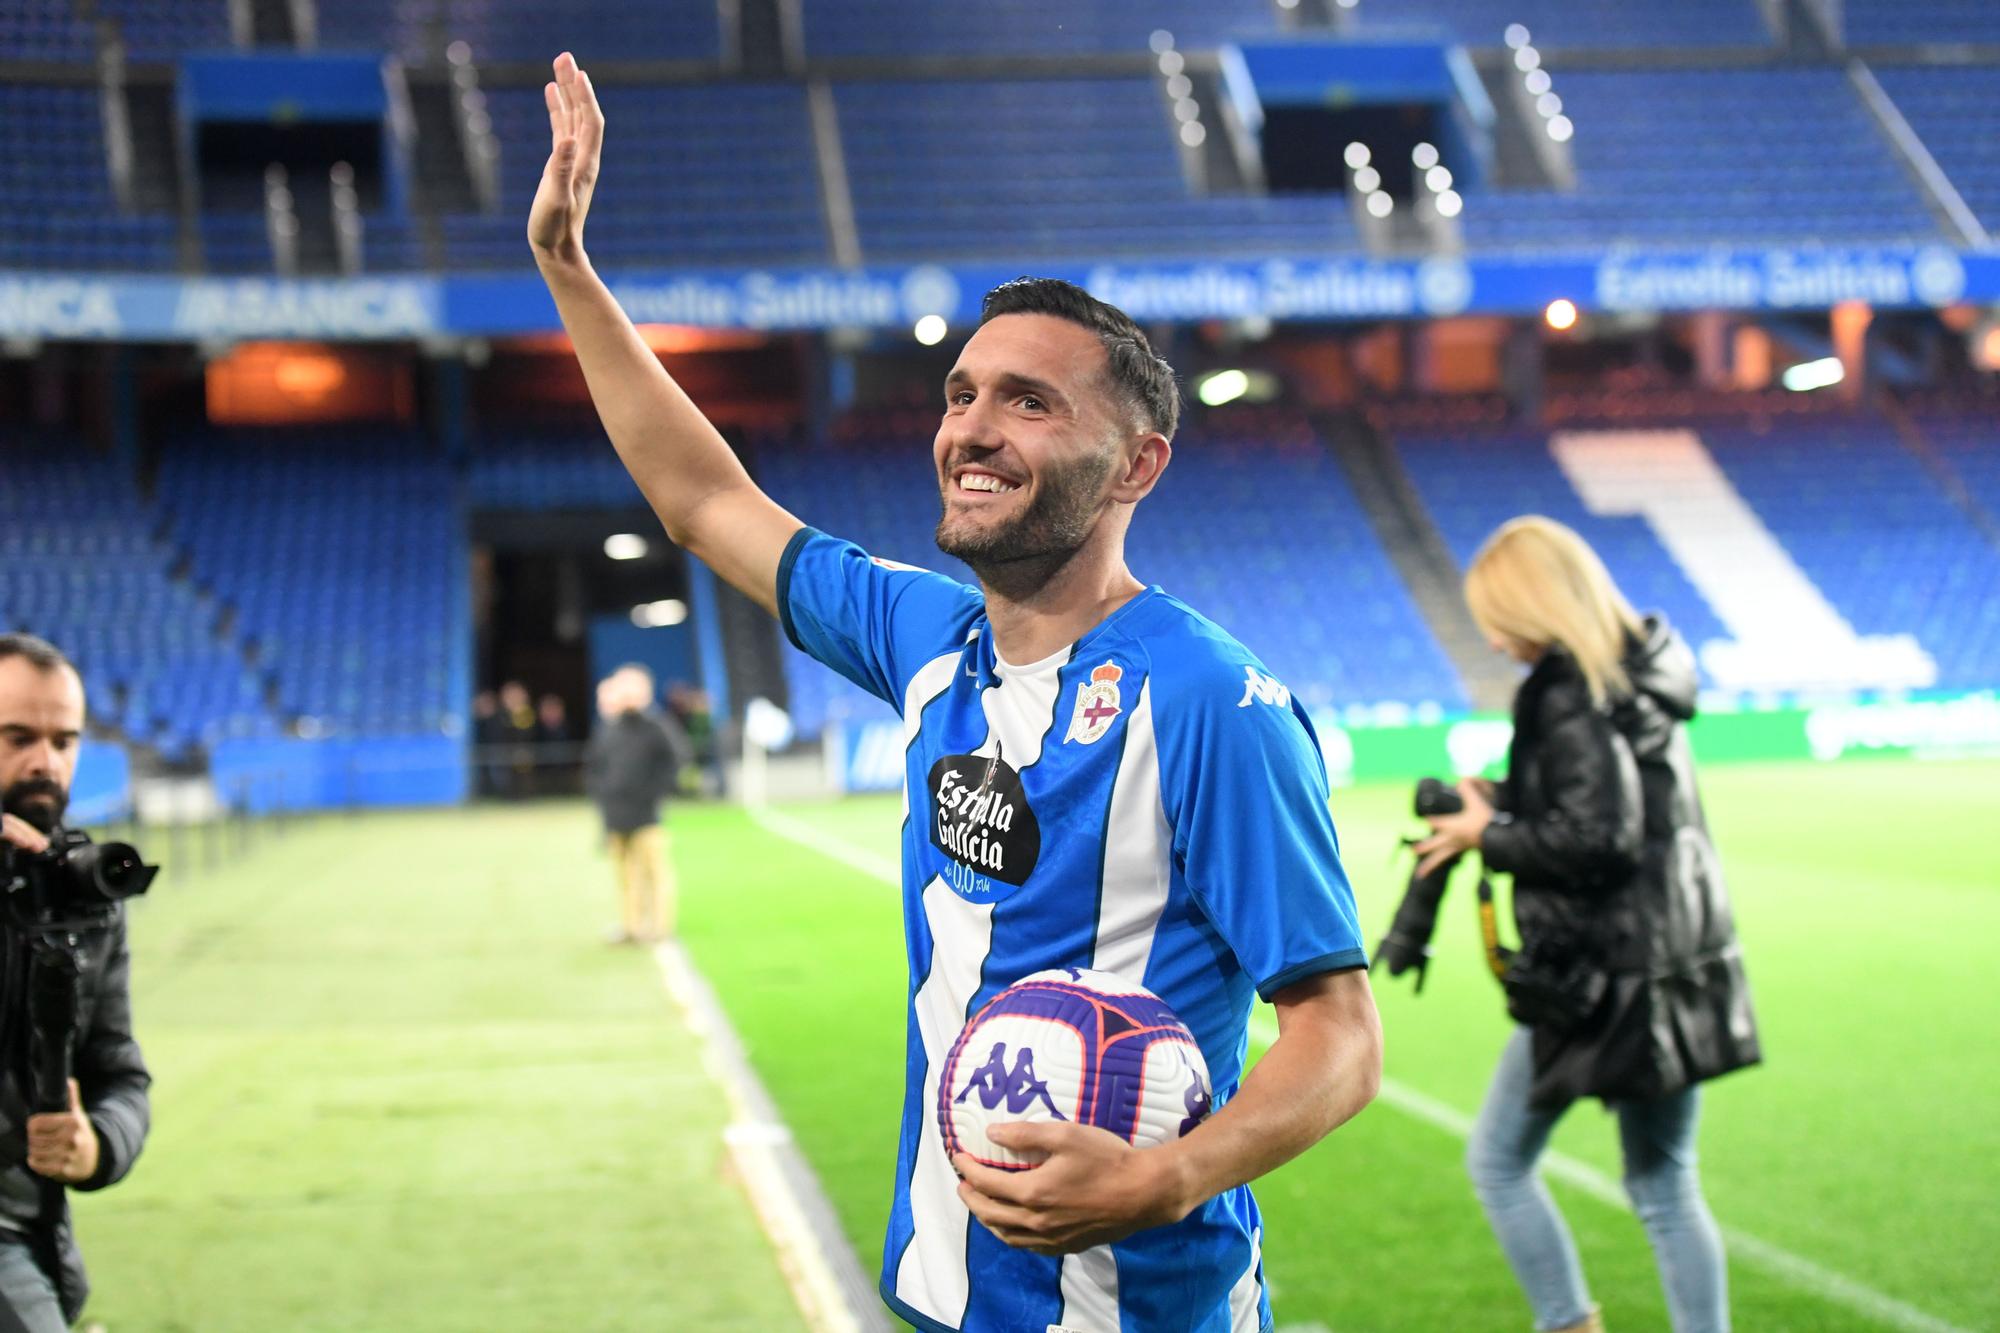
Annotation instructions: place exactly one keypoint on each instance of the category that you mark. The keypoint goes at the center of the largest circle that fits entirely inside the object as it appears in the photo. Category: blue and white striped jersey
(1149, 802)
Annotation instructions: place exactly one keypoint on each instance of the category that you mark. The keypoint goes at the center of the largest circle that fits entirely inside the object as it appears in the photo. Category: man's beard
(1017, 556)
(39, 801)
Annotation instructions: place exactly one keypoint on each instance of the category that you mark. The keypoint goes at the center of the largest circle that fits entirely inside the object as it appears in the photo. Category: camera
(51, 897)
(74, 880)
(1437, 797)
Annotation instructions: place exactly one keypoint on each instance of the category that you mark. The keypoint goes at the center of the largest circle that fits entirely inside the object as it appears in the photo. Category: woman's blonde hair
(1538, 583)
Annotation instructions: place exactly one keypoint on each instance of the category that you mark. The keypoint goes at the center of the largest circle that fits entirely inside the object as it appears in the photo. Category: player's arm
(1325, 1066)
(688, 473)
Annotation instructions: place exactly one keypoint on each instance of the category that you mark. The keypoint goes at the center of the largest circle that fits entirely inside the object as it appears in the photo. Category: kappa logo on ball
(1076, 1045)
(1097, 705)
(1018, 1087)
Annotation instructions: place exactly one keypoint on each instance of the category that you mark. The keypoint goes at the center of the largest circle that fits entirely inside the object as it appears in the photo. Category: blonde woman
(1621, 911)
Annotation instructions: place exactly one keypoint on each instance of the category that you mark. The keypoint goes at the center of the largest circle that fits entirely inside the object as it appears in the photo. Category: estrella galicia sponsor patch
(980, 818)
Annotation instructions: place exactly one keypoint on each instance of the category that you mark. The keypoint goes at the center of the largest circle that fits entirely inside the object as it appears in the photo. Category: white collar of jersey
(983, 662)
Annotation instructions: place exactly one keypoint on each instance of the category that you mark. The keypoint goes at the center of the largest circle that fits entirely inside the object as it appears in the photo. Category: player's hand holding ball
(1074, 1074)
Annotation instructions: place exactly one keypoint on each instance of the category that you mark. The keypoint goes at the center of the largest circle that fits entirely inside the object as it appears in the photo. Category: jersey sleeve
(1246, 793)
(873, 621)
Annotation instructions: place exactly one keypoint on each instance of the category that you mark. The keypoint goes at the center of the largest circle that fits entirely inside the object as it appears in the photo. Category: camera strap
(1498, 955)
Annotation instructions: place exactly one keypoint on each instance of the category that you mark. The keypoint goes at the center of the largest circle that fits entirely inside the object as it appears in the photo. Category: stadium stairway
(1418, 551)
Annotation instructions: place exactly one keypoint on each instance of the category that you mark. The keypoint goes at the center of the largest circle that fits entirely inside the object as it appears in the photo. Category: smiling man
(1091, 785)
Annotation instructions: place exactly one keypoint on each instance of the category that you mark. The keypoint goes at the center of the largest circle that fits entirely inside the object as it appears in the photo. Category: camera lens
(117, 863)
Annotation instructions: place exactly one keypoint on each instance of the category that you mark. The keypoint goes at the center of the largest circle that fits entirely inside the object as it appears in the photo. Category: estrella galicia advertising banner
(161, 308)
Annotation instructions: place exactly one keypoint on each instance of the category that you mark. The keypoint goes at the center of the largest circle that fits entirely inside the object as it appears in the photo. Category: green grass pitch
(402, 1085)
(1867, 895)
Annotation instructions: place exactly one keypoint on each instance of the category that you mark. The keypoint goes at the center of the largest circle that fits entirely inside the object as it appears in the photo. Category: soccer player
(1096, 777)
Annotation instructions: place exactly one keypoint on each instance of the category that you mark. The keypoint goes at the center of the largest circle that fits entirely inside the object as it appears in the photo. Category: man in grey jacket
(94, 1142)
(631, 765)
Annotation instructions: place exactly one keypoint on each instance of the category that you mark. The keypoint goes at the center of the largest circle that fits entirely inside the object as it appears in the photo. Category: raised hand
(576, 144)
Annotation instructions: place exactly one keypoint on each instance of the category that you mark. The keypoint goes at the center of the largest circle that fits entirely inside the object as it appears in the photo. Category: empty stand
(1841, 501)
(1968, 440)
(1024, 27)
(721, 173)
(343, 555)
(56, 206)
(1955, 110)
(164, 29)
(1701, 156)
(80, 566)
(533, 472)
(45, 30)
(1050, 167)
(1917, 22)
(526, 30)
(1572, 24)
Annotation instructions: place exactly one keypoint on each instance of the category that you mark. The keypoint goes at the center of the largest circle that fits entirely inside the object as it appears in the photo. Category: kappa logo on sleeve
(1260, 688)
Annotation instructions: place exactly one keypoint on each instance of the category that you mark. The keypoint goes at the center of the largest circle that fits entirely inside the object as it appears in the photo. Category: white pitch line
(825, 1281)
(1775, 1260)
(1793, 1269)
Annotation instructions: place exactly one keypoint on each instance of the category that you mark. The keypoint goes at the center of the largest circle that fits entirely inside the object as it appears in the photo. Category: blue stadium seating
(531, 472)
(56, 206)
(1968, 441)
(343, 554)
(236, 242)
(1848, 503)
(1911, 22)
(80, 566)
(1955, 110)
(166, 29)
(1473, 481)
(1572, 24)
(1255, 527)
(45, 30)
(528, 30)
(1695, 157)
(1857, 511)
(1021, 27)
(1049, 168)
(721, 173)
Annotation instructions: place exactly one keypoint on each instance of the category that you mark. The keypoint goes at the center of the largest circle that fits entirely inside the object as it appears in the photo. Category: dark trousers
(28, 1301)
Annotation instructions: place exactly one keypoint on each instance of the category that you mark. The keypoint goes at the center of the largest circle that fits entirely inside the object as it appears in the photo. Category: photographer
(1629, 985)
(94, 1141)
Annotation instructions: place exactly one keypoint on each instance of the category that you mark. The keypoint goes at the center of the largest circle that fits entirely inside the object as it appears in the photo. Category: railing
(281, 220)
(347, 227)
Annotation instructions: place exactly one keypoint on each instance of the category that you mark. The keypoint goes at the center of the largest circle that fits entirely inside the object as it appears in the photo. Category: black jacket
(112, 1077)
(630, 766)
(1611, 857)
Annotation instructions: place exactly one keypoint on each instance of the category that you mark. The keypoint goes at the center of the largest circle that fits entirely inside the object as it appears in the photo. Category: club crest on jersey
(1097, 705)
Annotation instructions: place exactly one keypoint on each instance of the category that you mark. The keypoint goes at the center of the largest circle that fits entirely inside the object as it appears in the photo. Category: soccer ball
(1071, 1044)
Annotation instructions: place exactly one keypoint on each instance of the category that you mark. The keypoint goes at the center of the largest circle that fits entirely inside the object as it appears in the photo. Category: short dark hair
(1138, 375)
(40, 653)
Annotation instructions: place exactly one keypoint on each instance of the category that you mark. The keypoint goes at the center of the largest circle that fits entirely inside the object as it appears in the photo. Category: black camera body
(1437, 797)
(49, 898)
(74, 884)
